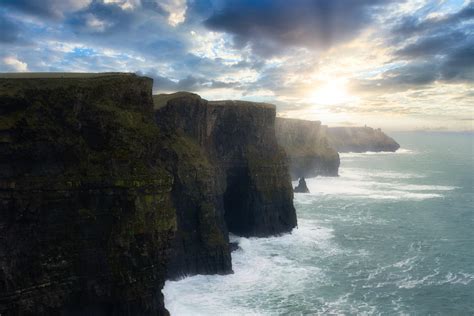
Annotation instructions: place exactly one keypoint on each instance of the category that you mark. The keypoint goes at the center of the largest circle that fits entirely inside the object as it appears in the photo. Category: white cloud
(124, 4)
(59, 7)
(176, 9)
(96, 24)
(14, 64)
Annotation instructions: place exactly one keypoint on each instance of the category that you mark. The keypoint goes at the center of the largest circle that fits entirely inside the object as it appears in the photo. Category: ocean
(393, 235)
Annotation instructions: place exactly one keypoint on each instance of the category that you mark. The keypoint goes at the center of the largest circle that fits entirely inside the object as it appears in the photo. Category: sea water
(393, 235)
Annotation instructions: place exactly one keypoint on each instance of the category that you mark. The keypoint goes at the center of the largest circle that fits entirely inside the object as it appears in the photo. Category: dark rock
(239, 139)
(234, 246)
(307, 148)
(301, 187)
(360, 139)
(85, 196)
(100, 203)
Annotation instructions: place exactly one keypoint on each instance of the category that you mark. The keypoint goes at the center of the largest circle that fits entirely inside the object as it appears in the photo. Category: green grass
(60, 75)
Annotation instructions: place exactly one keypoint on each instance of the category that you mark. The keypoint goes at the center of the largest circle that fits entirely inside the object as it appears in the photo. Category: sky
(394, 64)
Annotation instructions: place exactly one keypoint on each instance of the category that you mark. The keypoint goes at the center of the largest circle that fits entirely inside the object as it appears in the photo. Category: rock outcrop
(301, 187)
(307, 147)
(252, 171)
(360, 139)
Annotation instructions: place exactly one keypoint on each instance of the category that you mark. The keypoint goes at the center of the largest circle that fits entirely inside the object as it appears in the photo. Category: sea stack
(301, 187)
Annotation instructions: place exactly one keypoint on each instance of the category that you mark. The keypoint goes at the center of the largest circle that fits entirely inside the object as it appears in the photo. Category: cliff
(251, 169)
(360, 139)
(307, 147)
(104, 194)
(85, 196)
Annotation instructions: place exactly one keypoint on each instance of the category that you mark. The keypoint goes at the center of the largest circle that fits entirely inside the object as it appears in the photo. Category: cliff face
(85, 196)
(307, 147)
(360, 139)
(251, 169)
(104, 195)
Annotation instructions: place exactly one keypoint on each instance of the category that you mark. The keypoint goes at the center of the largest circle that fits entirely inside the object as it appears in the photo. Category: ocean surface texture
(394, 234)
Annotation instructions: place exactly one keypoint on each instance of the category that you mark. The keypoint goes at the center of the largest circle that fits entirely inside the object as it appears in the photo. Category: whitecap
(272, 269)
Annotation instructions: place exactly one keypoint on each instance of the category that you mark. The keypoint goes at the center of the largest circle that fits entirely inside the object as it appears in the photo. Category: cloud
(124, 4)
(10, 32)
(176, 10)
(432, 45)
(14, 64)
(47, 8)
(189, 83)
(95, 24)
(429, 48)
(414, 24)
(401, 58)
(270, 26)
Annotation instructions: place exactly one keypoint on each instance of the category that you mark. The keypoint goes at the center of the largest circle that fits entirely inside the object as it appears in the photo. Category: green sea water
(393, 235)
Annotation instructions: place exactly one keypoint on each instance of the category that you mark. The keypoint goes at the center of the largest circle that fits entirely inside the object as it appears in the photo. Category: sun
(332, 92)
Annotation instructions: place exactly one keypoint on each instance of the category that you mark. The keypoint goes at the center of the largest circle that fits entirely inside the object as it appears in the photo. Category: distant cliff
(307, 147)
(239, 139)
(360, 139)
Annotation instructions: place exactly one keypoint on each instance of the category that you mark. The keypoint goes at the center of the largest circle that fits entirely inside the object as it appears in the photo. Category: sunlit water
(394, 234)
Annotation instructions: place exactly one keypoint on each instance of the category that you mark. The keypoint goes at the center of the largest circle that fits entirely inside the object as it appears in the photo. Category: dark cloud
(413, 25)
(189, 83)
(436, 44)
(432, 49)
(10, 32)
(459, 64)
(269, 26)
(46, 8)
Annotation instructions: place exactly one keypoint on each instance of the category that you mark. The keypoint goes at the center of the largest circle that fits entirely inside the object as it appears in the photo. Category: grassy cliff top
(295, 121)
(60, 75)
(160, 100)
(14, 83)
(241, 103)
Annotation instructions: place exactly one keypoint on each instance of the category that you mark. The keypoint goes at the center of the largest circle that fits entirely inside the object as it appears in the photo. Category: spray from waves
(268, 274)
(401, 151)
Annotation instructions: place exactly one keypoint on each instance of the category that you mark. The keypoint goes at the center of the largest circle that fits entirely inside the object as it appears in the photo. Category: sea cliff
(360, 139)
(104, 193)
(87, 213)
(307, 147)
(251, 169)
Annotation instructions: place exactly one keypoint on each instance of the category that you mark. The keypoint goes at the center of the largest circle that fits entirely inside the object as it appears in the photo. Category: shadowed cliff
(103, 196)
(239, 139)
(360, 139)
(307, 147)
(87, 213)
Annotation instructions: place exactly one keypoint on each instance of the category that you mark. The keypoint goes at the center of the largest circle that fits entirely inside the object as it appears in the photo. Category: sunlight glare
(332, 92)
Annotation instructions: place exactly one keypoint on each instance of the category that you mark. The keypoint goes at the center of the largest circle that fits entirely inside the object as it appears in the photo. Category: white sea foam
(401, 151)
(303, 273)
(266, 267)
(371, 184)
